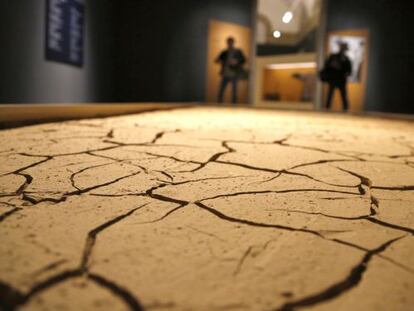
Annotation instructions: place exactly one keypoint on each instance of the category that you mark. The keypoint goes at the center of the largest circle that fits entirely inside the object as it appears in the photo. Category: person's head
(230, 42)
(343, 47)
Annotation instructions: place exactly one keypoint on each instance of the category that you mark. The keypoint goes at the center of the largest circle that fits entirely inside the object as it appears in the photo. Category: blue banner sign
(65, 31)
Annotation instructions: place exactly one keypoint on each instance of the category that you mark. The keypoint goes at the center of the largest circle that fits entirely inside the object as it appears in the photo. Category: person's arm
(242, 58)
(328, 62)
(348, 68)
(220, 58)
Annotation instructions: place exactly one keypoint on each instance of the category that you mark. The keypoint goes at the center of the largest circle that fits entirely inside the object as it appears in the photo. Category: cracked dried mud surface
(208, 209)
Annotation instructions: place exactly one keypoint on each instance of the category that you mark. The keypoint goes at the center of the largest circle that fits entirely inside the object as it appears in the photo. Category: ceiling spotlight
(277, 34)
(287, 17)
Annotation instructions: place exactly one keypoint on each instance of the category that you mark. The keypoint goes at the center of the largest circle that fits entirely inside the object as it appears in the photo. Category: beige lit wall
(218, 33)
(281, 81)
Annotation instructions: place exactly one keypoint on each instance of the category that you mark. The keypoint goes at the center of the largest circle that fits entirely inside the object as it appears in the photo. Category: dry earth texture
(208, 209)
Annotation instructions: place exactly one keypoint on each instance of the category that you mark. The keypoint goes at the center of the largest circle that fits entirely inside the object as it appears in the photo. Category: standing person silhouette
(337, 69)
(232, 61)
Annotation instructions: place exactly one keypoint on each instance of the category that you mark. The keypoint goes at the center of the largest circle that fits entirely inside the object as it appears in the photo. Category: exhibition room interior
(207, 155)
(142, 52)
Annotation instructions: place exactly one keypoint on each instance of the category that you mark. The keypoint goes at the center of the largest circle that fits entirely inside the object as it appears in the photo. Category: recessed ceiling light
(277, 34)
(287, 17)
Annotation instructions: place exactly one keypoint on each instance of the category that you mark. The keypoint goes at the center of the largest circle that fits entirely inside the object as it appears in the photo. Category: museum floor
(208, 209)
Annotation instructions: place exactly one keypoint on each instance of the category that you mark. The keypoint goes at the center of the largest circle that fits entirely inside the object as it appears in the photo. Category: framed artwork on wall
(64, 33)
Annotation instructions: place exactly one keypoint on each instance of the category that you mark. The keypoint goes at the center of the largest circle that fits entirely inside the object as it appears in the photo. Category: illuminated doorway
(287, 34)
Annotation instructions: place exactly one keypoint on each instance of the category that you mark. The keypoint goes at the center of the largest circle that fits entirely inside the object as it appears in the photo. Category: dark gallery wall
(390, 81)
(25, 74)
(162, 46)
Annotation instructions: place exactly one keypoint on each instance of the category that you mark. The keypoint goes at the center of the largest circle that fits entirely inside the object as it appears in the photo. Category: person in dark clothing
(232, 61)
(338, 68)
